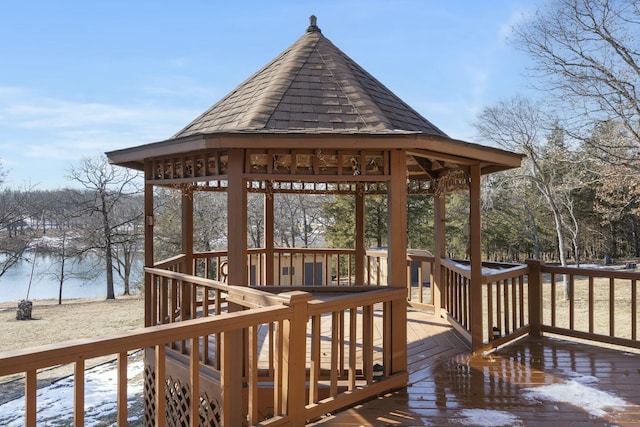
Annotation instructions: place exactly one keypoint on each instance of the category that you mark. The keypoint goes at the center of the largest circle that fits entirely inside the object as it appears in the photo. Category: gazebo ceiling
(314, 97)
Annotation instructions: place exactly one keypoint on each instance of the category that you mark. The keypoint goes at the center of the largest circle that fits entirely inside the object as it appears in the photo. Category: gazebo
(311, 121)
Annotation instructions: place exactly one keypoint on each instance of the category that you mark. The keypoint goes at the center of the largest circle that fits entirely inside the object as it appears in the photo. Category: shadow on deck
(535, 381)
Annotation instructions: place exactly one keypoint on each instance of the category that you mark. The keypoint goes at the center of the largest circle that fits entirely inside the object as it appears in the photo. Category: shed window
(285, 271)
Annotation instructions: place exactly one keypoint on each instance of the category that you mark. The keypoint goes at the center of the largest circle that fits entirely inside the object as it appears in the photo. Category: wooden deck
(536, 381)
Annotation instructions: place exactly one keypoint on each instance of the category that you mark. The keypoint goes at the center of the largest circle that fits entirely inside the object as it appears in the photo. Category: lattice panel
(210, 414)
(177, 401)
(149, 395)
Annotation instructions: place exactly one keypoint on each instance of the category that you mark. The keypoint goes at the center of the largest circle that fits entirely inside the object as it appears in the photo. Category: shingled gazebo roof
(313, 96)
(311, 87)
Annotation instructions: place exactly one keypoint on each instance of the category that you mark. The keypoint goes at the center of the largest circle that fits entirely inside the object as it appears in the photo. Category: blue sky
(78, 78)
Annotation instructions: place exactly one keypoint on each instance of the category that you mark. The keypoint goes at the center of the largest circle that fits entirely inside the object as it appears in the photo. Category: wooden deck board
(449, 387)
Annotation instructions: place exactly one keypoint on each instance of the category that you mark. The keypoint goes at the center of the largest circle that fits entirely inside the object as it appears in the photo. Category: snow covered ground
(55, 402)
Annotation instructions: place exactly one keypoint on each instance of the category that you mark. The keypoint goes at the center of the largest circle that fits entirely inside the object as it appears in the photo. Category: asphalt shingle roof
(311, 87)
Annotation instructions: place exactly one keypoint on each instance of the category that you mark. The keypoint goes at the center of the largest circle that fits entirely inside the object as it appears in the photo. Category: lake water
(14, 284)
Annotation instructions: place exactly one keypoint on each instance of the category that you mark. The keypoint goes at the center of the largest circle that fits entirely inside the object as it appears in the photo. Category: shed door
(309, 276)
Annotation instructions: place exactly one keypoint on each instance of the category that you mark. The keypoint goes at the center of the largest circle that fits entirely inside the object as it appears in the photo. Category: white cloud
(40, 135)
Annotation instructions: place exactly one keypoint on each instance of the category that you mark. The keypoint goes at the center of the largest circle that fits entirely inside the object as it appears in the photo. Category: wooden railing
(342, 364)
(296, 358)
(29, 361)
(504, 305)
(324, 267)
(596, 304)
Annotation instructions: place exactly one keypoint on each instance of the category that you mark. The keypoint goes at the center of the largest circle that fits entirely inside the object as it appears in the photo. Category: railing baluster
(278, 401)
(333, 375)
(78, 393)
(572, 302)
(160, 384)
(634, 310)
(612, 307)
(514, 305)
(122, 389)
(353, 313)
(490, 323)
(367, 342)
(315, 361)
(553, 299)
(30, 389)
(194, 380)
(253, 375)
(590, 304)
(507, 326)
(521, 287)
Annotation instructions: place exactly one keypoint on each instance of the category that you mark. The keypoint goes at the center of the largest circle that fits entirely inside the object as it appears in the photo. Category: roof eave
(134, 157)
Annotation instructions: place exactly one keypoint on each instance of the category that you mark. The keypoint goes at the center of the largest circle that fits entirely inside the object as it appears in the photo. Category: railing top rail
(55, 354)
(457, 267)
(209, 254)
(170, 261)
(598, 272)
(420, 254)
(356, 300)
(506, 273)
(214, 284)
(490, 273)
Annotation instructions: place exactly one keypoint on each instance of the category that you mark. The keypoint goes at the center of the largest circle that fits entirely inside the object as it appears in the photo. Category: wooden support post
(360, 252)
(269, 217)
(148, 242)
(475, 241)
(294, 388)
(187, 228)
(440, 250)
(397, 257)
(233, 348)
(534, 285)
(188, 305)
(236, 220)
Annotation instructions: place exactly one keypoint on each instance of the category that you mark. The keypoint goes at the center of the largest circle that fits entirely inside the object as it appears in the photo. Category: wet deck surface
(534, 382)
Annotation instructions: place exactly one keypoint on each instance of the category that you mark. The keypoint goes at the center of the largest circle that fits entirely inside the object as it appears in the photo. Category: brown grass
(53, 323)
(81, 318)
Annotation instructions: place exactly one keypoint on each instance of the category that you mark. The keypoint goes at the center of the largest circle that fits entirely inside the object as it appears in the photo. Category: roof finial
(313, 27)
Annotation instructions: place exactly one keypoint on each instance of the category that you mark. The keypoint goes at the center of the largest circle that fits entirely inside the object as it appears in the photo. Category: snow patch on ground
(578, 393)
(55, 402)
(488, 418)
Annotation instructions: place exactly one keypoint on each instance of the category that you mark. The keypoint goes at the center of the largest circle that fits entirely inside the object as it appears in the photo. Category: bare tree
(520, 125)
(107, 187)
(14, 241)
(586, 53)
